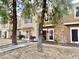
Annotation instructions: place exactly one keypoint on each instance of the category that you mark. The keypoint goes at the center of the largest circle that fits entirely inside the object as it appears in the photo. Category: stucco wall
(61, 33)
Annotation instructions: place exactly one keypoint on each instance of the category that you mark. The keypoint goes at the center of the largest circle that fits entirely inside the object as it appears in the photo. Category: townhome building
(67, 31)
(28, 28)
(5, 30)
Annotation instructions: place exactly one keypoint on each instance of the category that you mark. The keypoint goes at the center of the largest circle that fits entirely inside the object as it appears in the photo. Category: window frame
(75, 11)
(26, 21)
(52, 35)
(77, 28)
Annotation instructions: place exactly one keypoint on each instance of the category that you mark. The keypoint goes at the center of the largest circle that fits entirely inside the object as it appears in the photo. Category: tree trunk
(39, 44)
(14, 32)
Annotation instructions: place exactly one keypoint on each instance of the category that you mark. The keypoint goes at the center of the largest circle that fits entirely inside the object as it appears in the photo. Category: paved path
(12, 47)
(4, 42)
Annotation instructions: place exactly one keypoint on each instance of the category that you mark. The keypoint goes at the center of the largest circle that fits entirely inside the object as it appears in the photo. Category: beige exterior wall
(32, 28)
(24, 28)
(5, 28)
(71, 17)
(62, 30)
(61, 33)
(35, 27)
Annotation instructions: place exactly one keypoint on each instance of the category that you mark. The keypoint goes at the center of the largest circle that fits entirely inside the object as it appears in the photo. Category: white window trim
(75, 11)
(71, 34)
(53, 34)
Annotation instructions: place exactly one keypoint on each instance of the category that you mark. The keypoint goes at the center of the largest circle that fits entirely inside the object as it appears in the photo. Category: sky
(75, 1)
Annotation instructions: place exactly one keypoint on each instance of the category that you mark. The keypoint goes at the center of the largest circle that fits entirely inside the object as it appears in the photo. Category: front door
(0, 34)
(44, 35)
(5, 35)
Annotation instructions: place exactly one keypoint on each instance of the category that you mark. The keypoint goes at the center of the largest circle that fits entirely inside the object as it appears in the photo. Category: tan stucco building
(67, 31)
(28, 27)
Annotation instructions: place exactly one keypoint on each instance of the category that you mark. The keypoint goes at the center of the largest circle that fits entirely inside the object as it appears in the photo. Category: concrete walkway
(12, 47)
(6, 45)
(5, 41)
(8, 41)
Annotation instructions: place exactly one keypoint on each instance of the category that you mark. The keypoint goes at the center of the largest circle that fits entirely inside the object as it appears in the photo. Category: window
(76, 11)
(19, 22)
(74, 34)
(28, 21)
(50, 34)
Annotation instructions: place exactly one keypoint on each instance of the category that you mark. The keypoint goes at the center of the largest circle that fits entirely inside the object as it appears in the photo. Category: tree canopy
(59, 8)
(5, 10)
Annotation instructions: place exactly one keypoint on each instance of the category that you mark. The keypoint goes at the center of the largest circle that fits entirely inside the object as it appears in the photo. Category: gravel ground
(49, 52)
